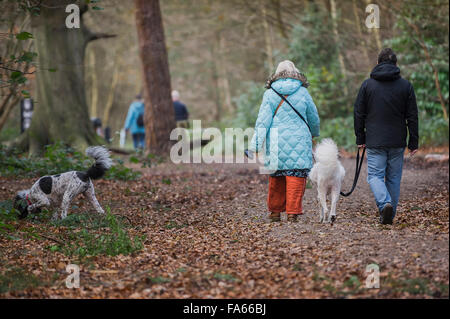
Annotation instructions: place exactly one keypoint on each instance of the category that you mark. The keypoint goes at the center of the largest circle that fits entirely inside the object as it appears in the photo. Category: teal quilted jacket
(288, 142)
(136, 108)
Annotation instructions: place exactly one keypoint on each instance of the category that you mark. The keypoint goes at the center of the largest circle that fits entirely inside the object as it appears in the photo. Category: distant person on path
(287, 139)
(181, 112)
(135, 122)
(97, 123)
(385, 112)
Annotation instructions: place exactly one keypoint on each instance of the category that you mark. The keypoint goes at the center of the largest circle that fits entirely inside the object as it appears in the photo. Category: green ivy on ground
(57, 158)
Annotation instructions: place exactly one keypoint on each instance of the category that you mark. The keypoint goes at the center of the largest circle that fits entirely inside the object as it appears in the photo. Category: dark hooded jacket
(386, 110)
(181, 112)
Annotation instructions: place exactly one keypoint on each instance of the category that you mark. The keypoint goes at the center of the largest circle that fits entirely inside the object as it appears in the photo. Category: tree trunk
(94, 85)
(159, 112)
(61, 111)
(10, 94)
(376, 32)
(360, 34)
(110, 100)
(6, 107)
(281, 27)
(224, 83)
(215, 81)
(337, 40)
(267, 38)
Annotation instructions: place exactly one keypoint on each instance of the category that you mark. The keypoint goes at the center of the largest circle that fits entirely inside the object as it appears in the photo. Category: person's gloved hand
(249, 154)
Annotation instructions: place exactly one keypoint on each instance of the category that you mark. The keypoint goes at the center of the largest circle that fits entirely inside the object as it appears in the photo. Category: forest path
(208, 236)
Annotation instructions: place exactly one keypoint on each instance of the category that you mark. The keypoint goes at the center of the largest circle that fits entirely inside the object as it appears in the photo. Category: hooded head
(285, 70)
(386, 69)
(287, 66)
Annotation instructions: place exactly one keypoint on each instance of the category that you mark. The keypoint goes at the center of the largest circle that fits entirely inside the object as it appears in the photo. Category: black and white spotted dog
(61, 189)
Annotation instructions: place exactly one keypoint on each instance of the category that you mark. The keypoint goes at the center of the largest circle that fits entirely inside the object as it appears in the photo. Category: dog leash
(359, 162)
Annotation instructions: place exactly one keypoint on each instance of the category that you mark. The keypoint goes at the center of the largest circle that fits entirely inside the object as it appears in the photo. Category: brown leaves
(207, 236)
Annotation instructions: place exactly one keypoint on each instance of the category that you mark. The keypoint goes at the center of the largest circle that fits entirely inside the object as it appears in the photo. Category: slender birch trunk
(338, 42)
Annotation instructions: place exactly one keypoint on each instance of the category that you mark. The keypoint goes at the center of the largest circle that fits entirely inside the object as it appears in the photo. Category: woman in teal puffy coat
(286, 138)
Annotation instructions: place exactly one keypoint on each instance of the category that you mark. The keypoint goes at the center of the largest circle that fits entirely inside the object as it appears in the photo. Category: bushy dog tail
(102, 161)
(327, 151)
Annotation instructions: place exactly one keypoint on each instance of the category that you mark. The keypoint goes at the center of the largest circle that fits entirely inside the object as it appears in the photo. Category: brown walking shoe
(274, 217)
(292, 217)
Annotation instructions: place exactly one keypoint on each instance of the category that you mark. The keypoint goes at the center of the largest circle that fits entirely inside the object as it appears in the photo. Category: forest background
(221, 52)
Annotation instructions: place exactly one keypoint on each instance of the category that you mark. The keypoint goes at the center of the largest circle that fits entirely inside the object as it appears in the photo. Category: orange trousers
(286, 194)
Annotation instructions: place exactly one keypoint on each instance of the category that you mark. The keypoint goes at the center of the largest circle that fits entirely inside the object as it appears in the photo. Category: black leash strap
(280, 95)
(359, 163)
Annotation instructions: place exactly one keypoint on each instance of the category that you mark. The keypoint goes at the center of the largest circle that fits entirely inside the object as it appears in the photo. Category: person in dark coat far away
(181, 112)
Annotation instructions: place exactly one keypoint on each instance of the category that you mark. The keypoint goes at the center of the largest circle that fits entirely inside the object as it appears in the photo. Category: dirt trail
(208, 236)
(358, 239)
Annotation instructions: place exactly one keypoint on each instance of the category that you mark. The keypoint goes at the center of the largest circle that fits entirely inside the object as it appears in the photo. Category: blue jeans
(384, 173)
(139, 140)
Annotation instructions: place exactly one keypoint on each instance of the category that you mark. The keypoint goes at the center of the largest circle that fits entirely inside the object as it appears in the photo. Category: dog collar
(28, 201)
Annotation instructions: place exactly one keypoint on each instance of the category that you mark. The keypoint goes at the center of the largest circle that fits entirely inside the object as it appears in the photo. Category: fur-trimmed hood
(285, 75)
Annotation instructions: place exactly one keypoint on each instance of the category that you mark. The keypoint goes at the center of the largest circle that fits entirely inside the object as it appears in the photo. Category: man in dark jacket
(385, 112)
(181, 112)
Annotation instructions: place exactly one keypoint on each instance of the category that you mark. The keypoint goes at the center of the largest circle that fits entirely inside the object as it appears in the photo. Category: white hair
(287, 66)
(175, 95)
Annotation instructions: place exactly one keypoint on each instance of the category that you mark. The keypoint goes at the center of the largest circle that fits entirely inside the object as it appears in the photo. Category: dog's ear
(23, 209)
(18, 203)
(16, 200)
(20, 206)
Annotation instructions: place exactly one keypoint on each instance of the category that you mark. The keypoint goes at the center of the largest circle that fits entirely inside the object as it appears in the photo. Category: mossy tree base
(61, 112)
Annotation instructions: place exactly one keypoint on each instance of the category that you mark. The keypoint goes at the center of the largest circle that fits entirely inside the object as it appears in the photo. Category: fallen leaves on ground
(207, 236)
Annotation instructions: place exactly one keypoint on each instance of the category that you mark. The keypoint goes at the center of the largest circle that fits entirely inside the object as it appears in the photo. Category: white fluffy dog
(327, 174)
